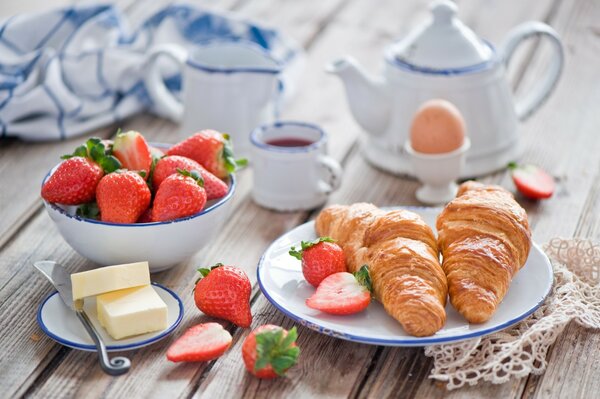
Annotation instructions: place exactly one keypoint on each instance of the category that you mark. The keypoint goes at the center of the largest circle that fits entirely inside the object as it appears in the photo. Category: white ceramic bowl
(162, 244)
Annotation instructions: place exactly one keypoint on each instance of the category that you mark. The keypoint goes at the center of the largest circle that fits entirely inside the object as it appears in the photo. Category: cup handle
(530, 103)
(334, 172)
(166, 104)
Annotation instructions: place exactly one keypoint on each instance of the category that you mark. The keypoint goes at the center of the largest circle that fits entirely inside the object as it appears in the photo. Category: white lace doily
(522, 349)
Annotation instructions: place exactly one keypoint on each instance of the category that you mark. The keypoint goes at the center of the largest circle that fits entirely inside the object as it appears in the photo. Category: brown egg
(437, 128)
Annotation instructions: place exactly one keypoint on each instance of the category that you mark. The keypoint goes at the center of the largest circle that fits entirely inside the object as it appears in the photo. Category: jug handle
(165, 103)
(531, 101)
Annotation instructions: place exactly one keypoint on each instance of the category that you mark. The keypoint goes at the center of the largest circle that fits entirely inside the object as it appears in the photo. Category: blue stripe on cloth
(61, 112)
(7, 99)
(53, 30)
(11, 46)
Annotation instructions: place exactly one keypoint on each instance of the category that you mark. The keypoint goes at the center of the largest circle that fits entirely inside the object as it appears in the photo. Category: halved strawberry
(200, 343)
(165, 167)
(343, 293)
(210, 149)
(133, 151)
(532, 181)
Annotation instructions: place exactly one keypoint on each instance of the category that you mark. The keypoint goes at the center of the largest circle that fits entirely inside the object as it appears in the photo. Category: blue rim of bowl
(214, 206)
(140, 344)
(275, 125)
(479, 67)
(394, 342)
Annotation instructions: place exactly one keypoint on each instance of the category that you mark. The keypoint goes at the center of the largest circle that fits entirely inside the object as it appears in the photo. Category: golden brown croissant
(402, 255)
(485, 239)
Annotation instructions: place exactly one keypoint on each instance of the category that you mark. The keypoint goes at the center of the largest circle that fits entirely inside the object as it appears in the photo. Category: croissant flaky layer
(401, 252)
(485, 239)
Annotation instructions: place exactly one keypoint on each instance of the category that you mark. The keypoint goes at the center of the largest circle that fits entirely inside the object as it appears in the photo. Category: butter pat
(111, 278)
(131, 311)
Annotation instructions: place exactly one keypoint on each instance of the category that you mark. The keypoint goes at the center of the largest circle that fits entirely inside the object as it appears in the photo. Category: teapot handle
(531, 101)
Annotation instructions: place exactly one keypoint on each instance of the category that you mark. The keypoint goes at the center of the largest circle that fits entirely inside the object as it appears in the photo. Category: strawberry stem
(277, 350)
(194, 174)
(306, 245)
(94, 149)
(363, 277)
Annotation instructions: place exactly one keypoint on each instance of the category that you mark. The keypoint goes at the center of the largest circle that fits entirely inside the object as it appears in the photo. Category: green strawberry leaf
(272, 348)
(97, 152)
(204, 271)
(306, 245)
(363, 277)
(194, 174)
(241, 163)
(88, 211)
(109, 163)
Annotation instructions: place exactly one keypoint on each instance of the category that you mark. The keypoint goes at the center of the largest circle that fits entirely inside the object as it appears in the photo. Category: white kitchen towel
(71, 70)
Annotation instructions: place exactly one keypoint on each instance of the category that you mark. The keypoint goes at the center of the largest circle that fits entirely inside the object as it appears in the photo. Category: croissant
(402, 255)
(485, 239)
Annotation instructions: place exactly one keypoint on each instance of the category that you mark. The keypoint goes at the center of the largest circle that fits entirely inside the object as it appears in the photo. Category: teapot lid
(443, 42)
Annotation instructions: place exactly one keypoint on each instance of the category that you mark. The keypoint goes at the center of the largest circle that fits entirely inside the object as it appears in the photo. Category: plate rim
(111, 348)
(416, 341)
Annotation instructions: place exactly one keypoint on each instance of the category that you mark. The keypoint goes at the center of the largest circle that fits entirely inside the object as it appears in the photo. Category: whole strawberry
(269, 351)
(200, 343)
(320, 258)
(122, 197)
(165, 167)
(224, 292)
(343, 293)
(210, 149)
(73, 182)
(133, 151)
(178, 196)
(76, 178)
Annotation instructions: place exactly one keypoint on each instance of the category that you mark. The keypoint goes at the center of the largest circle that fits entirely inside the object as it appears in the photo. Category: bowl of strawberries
(127, 200)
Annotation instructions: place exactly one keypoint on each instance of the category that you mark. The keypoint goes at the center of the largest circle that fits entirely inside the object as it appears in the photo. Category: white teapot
(443, 58)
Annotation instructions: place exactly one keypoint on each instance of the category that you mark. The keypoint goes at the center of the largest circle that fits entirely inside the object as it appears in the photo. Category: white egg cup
(438, 172)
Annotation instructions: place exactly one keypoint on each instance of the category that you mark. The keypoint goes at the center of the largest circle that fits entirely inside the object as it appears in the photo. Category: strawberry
(200, 343)
(269, 351)
(320, 258)
(179, 195)
(210, 149)
(215, 187)
(343, 293)
(156, 153)
(132, 150)
(76, 178)
(224, 292)
(122, 197)
(73, 182)
(146, 216)
(532, 181)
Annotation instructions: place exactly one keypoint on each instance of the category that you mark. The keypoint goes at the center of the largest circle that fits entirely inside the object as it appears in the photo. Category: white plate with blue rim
(62, 325)
(281, 281)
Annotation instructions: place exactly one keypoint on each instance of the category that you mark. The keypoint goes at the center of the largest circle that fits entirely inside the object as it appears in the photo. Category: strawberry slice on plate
(532, 181)
(343, 293)
(200, 343)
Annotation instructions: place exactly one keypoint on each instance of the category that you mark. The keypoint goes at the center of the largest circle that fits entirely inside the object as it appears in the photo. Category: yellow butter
(131, 311)
(111, 278)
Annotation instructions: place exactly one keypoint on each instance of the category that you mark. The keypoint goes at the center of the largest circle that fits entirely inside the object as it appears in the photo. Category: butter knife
(61, 280)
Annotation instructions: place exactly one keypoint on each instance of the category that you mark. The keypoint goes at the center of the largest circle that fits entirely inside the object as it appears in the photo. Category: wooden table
(562, 137)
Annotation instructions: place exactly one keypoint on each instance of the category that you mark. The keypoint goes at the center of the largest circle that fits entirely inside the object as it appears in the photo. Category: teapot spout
(367, 96)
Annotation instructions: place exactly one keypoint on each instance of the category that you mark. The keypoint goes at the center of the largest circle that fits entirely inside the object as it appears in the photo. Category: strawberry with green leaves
(224, 292)
(165, 167)
(200, 343)
(122, 197)
(132, 150)
(320, 258)
(75, 179)
(210, 149)
(343, 293)
(269, 351)
(532, 181)
(180, 195)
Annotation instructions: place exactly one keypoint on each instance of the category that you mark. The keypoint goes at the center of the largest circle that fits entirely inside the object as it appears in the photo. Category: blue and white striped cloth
(71, 70)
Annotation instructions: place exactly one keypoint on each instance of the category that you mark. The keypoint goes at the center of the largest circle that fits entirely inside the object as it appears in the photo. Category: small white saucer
(62, 325)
